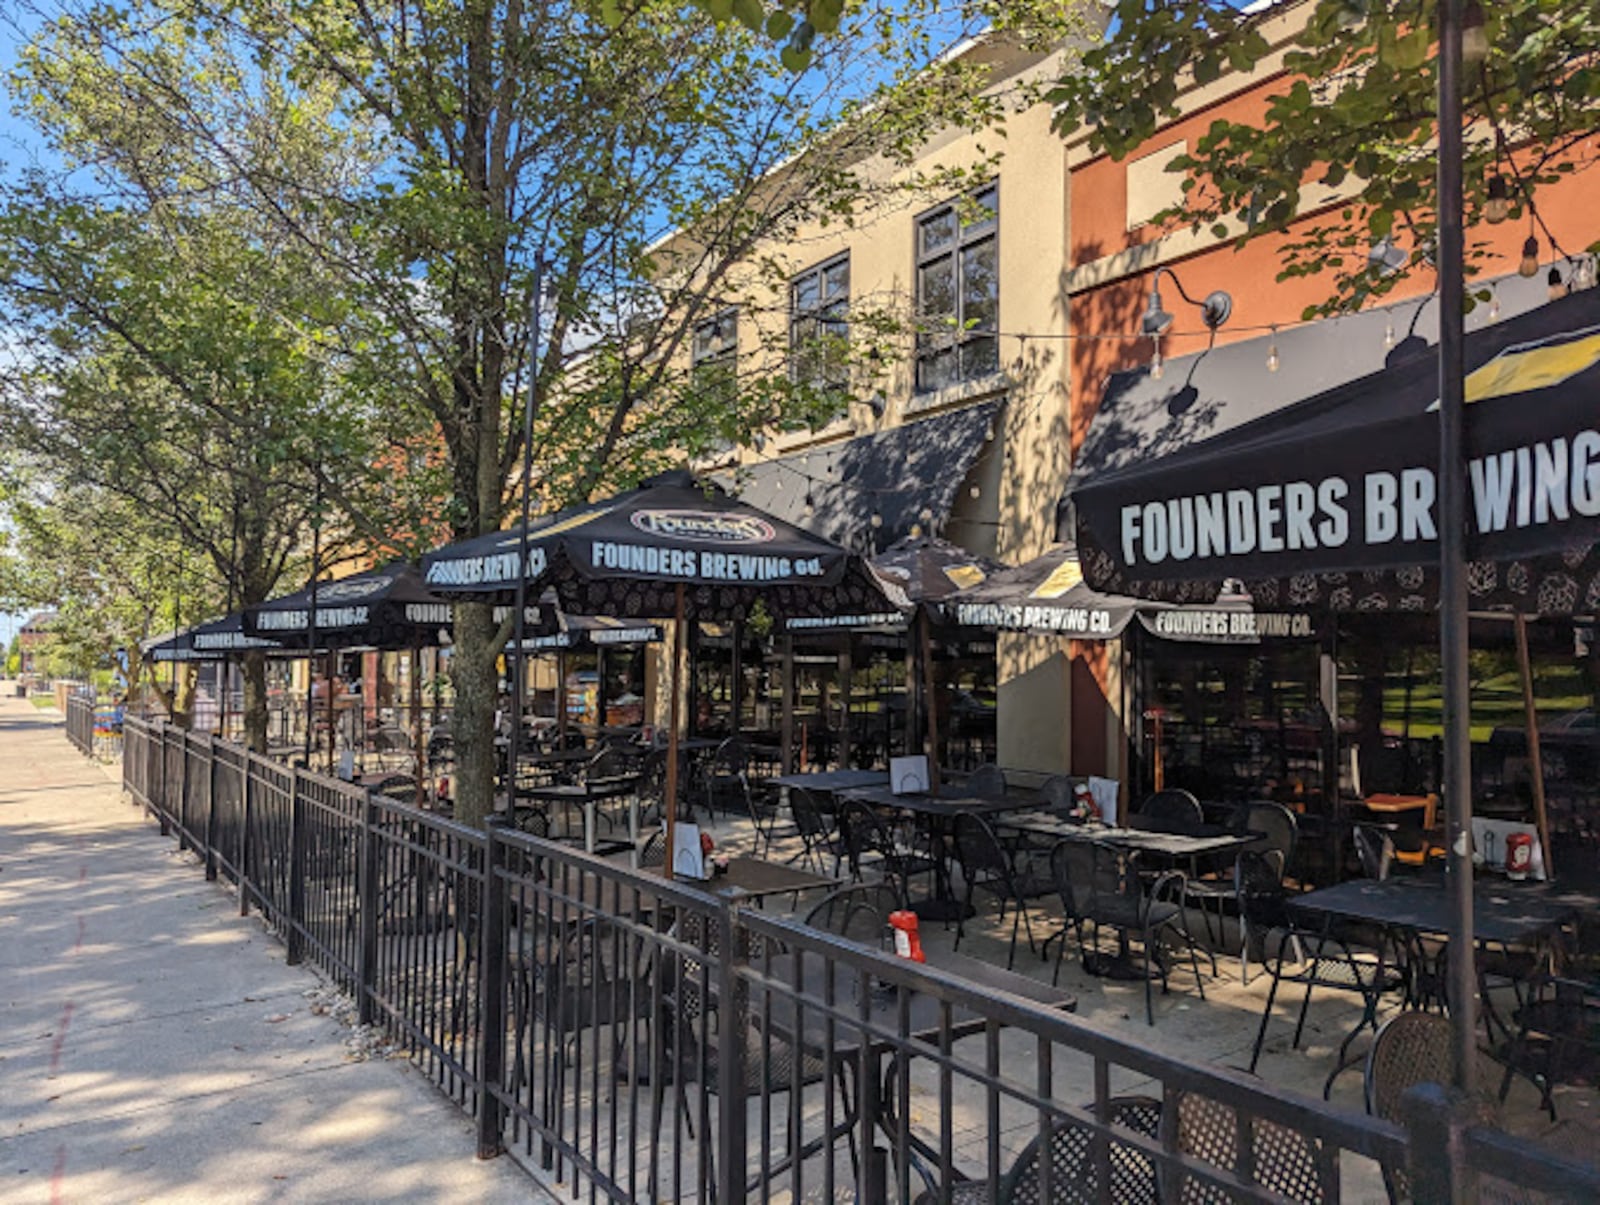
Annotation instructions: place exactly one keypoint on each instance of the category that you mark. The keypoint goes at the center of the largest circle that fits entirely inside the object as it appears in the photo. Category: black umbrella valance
(1331, 501)
(625, 557)
(209, 641)
(382, 608)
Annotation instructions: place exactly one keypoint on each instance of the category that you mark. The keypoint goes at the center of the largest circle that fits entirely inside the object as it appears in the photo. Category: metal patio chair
(1172, 811)
(1292, 1165)
(1071, 1175)
(986, 866)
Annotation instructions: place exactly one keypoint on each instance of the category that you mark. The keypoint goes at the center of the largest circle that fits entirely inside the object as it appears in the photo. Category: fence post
(1436, 1120)
(246, 819)
(730, 1059)
(211, 808)
(184, 825)
(297, 870)
(160, 802)
(491, 991)
(367, 894)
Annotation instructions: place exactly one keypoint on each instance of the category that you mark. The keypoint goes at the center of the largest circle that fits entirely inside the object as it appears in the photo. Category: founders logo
(703, 526)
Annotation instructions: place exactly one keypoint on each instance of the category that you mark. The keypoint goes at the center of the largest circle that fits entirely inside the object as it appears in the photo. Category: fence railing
(636, 1039)
(80, 723)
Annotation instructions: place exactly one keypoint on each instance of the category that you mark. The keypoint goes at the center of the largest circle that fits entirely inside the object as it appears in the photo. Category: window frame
(807, 322)
(931, 344)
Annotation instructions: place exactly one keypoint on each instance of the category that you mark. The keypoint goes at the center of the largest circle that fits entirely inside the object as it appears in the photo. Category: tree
(1356, 112)
(552, 144)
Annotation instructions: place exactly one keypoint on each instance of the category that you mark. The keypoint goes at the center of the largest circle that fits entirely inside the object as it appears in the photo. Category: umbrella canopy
(208, 641)
(1048, 595)
(1331, 501)
(924, 569)
(626, 556)
(381, 608)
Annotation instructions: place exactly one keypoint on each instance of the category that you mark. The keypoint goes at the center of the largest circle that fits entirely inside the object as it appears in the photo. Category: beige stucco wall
(1020, 480)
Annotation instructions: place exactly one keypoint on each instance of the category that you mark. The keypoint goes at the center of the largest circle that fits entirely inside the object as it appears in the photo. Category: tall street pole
(311, 629)
(1462, 978)
(518, 625)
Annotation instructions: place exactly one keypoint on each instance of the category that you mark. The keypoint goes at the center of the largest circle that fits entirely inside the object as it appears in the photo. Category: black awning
(1332, 500)
(1201, 396)
(897, 473)
(383, 608)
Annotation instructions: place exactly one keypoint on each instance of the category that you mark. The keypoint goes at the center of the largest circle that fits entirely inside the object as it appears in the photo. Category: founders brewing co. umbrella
(210, 641)
(1331, 501)
(387, 608)
(673, 546)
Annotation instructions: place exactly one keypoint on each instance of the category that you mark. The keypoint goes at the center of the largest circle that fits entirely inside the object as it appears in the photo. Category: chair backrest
(730, 757)
(986, 782)
(1072, 1168)
(654, 853)
(1411, 1048)
(1172, 810)
(1375, 850)
(1085, 871)
(809, 821)
(863, 833)
(1057, 796)
(1289, 1163)
(860, 913)
(1278, 826)
(1258, 887)
(978, 849)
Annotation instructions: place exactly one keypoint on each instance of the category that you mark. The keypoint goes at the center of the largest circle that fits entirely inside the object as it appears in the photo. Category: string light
(1497, 207)
(1474, 35)
(809, 509)
(925, 514)
(1272, 352)
(1583, 272)
(1388, 331)
(975, 492)
(876, 520)
(1157, 370)
(1529, 267)
(1558, 287)
(1494, 304)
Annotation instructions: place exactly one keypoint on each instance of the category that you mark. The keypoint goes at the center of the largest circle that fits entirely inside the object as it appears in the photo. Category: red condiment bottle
(907, 941)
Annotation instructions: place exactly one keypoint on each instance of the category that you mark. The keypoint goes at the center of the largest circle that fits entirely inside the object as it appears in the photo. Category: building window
(958, 290)
(819, 334)
(714, 358)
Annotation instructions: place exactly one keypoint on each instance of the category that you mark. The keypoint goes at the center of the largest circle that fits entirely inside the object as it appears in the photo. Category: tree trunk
(255, 701)
(473, 673)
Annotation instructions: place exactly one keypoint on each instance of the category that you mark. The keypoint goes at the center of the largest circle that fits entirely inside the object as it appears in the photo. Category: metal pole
(1462, 982)
(1530, 713)
(670, 804)
(311, 625)
(518, 664)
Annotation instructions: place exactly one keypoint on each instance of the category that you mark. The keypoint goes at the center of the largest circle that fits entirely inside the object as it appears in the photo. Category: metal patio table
(1407, 907)
(939, 813)
(831, 782)
(588, 795)
(756, 878)
(846, 1030)
(1204, 841)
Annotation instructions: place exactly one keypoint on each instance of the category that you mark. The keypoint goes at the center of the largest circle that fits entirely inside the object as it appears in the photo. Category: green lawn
(43, 702)
(1496, 702)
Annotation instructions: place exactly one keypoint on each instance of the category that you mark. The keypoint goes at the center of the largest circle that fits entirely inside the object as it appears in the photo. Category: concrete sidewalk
(154, 1046)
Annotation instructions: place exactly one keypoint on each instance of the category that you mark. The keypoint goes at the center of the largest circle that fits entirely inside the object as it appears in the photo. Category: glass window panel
(836, 280)
(805, 292)
(938, 231)
(980, 284)
(979, 357)
(984, 209)
(936, 288)
(936, 370)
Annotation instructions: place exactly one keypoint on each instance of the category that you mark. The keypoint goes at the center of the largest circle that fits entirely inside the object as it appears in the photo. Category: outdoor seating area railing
(598, 1019)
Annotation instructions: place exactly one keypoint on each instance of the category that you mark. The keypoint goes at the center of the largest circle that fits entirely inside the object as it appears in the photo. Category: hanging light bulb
(1494, 304)
(975, 492)
(808, 509)
(1497, 206)
(1558, 287)
(1583, 273)
(1157, 370)
(876, 520)
(1388, 332)
(988, 433)
(1529, 267)
(1474, 35)
(1272, 352)
(916, 531)
(925, 514)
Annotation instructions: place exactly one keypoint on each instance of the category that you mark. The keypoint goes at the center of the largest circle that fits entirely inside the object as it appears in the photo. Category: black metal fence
(634, 1039)
(80, 723)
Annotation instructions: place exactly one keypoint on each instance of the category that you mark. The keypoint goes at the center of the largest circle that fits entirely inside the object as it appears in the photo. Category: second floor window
(958, 290)
(714, 358)
(819, 329)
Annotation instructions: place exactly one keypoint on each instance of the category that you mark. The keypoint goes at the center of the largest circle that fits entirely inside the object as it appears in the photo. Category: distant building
(35, 638)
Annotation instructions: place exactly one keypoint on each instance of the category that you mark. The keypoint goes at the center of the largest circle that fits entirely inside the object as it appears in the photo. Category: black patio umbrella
(210, 641)
(673, 546)
(1330, 501)
(387, 608)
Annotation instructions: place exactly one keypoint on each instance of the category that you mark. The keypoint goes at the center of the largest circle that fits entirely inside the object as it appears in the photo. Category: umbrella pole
(925, 651)
(786, 710)
(1535, 755)
(416, 722)
(670, 804)
(331, 717)
(1453, 513)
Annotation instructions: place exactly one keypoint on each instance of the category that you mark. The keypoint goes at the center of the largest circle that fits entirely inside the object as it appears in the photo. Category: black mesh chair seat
(1557, 1039)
